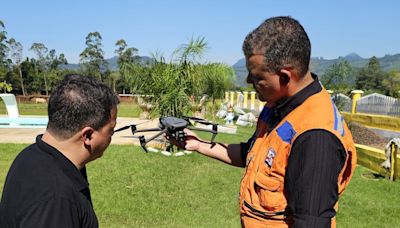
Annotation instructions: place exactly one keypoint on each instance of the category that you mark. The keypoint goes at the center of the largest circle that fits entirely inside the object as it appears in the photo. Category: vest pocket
(270, 193)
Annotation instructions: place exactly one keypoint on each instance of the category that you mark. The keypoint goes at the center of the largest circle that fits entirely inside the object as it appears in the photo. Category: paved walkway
(28, 135)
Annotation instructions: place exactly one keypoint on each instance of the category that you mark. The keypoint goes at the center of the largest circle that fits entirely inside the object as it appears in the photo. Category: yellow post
(245, 95)
(232, 97)
(356, 94)
(393, 161)
(252, 99)
(238, 98)
(226, 96)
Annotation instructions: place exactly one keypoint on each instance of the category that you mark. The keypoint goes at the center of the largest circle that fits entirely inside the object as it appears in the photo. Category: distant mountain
(241, 72)
(112, 63)
(319, 65)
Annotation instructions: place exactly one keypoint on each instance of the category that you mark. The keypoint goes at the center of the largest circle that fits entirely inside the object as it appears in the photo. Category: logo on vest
(270, 157)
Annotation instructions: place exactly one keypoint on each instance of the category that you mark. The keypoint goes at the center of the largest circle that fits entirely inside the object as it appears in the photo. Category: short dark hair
(79, 101)
(283, 42)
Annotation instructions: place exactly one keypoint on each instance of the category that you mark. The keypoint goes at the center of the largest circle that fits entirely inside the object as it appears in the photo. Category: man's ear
(86, 134)
(287, 75)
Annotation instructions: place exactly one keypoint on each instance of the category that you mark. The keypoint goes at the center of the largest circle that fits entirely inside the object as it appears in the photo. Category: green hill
(319, 65)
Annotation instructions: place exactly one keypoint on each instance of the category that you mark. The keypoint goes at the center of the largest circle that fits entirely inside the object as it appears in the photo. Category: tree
(218, 78)
(187, 57)
(32, 82)
(391, 83)
(6, 87)
(4, 63)
(92, 58)
(41, 63)
(172, 84)
(53, 61)
(3, 43)
(338, 77)
(16, 56)
(126, 57)
(370, 78)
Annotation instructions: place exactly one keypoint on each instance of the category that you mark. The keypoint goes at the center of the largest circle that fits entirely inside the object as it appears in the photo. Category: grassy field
(133, 189)
(124, 109)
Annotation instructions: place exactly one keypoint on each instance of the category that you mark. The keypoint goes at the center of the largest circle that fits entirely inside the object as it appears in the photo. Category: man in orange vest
(302, 155)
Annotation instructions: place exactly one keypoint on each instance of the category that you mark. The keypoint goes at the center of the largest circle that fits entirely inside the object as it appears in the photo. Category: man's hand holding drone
(176, 130)
(192, 141)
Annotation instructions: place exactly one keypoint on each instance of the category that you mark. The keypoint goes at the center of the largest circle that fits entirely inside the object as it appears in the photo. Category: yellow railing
(246, 100)
(372, 159)
(375, 121)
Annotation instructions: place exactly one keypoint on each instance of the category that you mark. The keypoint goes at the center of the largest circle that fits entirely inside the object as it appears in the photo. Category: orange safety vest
(262, 198)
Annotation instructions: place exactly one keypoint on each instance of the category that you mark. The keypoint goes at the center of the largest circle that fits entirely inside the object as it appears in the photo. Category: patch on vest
(270, 157)
(286, 132)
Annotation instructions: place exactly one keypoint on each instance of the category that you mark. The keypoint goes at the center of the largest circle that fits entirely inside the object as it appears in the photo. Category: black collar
(78, 177)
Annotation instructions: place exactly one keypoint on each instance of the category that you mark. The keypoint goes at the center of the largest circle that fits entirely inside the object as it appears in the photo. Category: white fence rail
(378, 104)
(371, 104)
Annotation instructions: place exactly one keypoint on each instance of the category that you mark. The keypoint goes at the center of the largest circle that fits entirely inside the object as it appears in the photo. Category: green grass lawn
(133, 189)
(124, 109)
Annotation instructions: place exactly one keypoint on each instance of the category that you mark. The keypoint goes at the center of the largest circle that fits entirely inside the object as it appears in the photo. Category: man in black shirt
(47, 185)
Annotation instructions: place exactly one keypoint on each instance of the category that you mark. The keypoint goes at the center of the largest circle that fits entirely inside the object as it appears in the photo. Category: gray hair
(283, 42)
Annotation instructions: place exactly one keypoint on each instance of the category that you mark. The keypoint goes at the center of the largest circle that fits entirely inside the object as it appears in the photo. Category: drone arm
(155, 136)
(144, 141)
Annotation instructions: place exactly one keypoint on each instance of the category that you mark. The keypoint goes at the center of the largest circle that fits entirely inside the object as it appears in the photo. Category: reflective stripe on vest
(338, 124)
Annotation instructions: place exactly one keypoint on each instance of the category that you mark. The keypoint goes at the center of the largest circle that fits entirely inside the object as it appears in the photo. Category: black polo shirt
(314, 164)
(45, 189)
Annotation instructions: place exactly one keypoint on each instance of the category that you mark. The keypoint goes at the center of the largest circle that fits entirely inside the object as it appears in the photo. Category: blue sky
(336, 28)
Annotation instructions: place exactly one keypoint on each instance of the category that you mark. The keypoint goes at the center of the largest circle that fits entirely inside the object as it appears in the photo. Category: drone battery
(173, 123)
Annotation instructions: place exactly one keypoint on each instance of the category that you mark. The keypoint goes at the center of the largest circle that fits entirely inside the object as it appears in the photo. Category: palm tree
(171, 84)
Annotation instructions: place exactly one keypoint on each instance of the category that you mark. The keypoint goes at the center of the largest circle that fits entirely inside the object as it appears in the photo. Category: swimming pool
(23, 122)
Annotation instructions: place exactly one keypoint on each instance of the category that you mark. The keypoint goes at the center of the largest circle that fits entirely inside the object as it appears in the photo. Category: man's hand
(192, 141)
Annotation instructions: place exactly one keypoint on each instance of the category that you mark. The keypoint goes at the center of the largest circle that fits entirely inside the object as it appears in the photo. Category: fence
(245, 100)
(378, 104)
(370, 104)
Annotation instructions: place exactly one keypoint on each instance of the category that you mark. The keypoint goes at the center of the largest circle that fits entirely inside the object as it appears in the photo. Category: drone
(173, 127)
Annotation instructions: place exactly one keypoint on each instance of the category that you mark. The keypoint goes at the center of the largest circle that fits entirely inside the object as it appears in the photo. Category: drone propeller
(132, 126)
(198, 120)
(125, 127)
(214, 129)
(193, 118)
